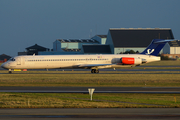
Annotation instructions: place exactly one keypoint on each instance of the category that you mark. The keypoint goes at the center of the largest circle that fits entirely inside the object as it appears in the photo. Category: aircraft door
(18, 60)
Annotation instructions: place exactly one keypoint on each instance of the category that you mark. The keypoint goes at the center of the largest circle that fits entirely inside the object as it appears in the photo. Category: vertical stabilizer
(155, 47)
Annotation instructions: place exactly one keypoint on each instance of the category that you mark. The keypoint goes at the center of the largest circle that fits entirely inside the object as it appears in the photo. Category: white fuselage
(72, 61)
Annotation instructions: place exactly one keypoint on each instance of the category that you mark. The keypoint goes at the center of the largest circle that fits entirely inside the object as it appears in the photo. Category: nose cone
(4, 65)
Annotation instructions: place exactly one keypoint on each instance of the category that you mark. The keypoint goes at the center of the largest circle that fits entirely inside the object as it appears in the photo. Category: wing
(92, 66)
(101, 66)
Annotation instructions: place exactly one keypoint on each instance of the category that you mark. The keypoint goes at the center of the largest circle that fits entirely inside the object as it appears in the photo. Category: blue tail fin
(155, 47)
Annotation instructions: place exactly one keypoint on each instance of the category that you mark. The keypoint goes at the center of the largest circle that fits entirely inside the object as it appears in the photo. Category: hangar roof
(78, 40)
(97, 49)
(4, 56)
(102, 36)
(37, 47)
(138, 37)
(175, 43)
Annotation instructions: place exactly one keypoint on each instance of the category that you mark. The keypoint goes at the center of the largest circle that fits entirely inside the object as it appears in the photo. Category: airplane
(93, 62)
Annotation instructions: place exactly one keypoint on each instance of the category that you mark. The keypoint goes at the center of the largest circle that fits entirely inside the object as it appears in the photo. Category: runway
(129, 71)
(150, 90)
(93, 113)
(160, 68)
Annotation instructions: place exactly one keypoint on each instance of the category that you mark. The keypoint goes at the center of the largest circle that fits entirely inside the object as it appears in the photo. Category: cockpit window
(12, 59)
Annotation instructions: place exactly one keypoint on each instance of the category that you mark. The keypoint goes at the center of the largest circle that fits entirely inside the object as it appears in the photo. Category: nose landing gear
(10, 71)
(94, 71)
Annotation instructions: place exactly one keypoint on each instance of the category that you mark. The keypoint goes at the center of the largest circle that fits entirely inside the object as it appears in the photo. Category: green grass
(63, 78)
(164, 63)
(55, 100)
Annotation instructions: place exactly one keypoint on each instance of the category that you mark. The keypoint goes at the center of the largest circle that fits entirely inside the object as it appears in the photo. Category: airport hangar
(117, 41)
(4, 58)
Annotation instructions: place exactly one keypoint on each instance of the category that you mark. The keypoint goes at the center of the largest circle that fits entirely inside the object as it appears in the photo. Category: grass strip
(62, 78)
(72, 100)
(89, 79)
(164, 63)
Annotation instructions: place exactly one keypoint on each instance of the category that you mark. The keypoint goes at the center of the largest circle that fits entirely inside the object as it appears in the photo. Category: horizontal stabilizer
(164, 41)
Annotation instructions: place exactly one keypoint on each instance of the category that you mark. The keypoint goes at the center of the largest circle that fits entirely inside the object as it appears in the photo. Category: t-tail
(155, 47)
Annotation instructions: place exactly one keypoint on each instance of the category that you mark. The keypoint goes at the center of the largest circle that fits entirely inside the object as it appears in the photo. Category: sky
(24, 23)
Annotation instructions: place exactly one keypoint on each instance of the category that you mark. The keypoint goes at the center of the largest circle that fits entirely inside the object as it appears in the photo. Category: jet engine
(132, 61)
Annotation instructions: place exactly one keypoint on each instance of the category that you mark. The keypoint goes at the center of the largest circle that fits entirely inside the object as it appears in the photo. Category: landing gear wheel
(10, 72)
(94, 71)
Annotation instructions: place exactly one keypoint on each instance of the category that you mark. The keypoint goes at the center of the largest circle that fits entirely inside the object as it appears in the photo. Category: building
(79, 46)
(100, 38)
(4, 58)
(72, 44)
(172, 49)
(33, 50)
(117, 41)
(137, 39)
(96, 49)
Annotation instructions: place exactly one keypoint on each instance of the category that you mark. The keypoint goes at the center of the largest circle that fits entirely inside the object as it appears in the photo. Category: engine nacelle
(131, 61)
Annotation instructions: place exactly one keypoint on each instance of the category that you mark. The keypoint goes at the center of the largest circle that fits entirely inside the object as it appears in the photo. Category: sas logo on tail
(149, 51)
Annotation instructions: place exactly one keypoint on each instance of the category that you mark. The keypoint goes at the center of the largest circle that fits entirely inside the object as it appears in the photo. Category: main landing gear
(94, 71)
